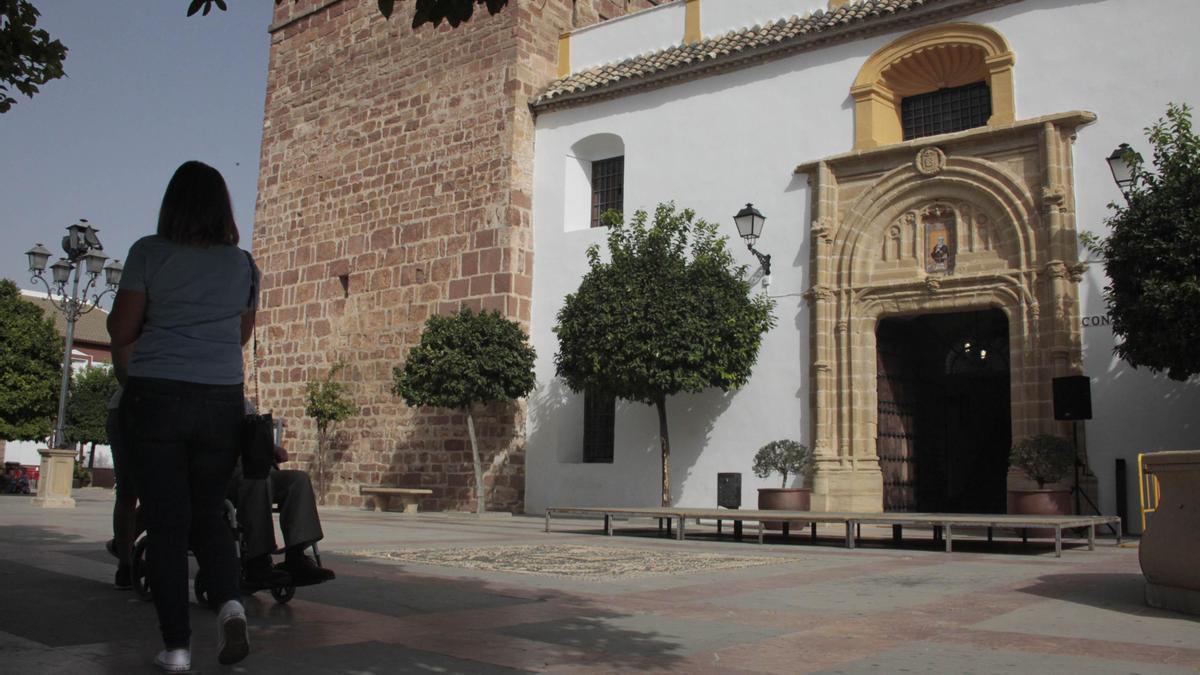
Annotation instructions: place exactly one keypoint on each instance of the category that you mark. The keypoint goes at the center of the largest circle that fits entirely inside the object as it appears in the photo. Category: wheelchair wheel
(139, 570)
(283, 593)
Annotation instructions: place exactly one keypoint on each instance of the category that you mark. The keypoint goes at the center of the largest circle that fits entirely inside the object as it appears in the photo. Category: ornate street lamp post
(84, 261)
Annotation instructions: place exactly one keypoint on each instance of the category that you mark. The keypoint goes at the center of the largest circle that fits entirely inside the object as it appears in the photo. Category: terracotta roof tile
(91, 327)
(738, 45)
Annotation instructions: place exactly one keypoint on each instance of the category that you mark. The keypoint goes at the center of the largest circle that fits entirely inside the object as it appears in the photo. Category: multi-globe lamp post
(83, 264)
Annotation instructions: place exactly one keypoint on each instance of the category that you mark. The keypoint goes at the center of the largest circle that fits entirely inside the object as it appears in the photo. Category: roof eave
(807, 42)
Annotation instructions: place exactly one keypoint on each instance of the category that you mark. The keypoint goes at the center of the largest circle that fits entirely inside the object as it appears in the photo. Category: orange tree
(463, 360)
(1152, 254)
(668, 312)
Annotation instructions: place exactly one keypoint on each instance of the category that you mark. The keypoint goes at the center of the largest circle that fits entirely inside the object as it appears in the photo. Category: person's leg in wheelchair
(253, 501)
(300, 523)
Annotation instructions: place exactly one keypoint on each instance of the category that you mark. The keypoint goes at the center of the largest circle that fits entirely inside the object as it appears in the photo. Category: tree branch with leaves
(30, 368)
(668, 312)
(328, 403)
(464, 360)
(1152, 253)
(29, 57)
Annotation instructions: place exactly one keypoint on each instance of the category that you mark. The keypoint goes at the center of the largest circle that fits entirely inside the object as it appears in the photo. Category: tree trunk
(665, 441)
(92, 456)
(320, 463)
(478, 470)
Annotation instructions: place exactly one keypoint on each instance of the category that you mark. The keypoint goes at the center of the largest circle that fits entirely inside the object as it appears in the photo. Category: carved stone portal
(981, 221)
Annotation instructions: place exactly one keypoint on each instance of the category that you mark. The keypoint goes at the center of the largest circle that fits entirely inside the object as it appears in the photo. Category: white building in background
(91, 349)
(865, 131)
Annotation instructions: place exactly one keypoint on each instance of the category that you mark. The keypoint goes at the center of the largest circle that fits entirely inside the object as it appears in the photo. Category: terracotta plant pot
(784, 499)
(1044, 502)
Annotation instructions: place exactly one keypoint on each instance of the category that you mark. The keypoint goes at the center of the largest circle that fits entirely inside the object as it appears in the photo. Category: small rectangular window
(946, 110)
(599, 424)
(608, 187)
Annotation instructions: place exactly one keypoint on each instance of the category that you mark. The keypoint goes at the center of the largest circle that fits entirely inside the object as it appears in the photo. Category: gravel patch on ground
(594, 562)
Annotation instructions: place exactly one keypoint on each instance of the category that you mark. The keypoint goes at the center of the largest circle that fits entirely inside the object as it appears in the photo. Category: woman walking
(186, 303)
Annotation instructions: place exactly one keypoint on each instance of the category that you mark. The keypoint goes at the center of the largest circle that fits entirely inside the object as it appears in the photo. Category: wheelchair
(282, 593)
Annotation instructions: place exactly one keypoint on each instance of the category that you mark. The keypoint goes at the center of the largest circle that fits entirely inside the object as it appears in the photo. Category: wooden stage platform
(944, 523)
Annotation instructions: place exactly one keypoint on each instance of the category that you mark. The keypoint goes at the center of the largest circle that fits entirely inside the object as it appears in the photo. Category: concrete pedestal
(1170, 545)
(54, 482)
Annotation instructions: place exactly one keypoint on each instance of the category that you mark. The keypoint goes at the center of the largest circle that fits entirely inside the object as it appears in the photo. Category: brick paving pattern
(818, 608)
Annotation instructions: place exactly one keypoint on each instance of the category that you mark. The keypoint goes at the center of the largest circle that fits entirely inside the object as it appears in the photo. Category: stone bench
(408, 497)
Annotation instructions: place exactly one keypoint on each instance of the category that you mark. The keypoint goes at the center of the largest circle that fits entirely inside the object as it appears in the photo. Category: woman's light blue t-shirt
(195, 298)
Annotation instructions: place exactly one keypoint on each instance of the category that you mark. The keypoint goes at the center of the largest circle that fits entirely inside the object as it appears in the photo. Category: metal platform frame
(943, 523)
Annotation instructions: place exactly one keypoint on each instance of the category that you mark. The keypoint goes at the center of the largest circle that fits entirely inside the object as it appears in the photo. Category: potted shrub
(82, 476)
(786, 458)
(1045, 459)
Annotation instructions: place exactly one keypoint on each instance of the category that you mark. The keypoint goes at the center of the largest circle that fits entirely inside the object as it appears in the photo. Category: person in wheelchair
(298, 519)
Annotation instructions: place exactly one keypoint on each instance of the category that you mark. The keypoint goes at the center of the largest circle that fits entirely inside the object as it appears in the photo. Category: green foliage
(82, 474)
(669, 312)
(1152, 254)
(466, 358)
(452, 11)
(30, 367)
(87, 405)
(28, 57)
(428, 11)
(1044, 458)
(328, 401)
(782, 457)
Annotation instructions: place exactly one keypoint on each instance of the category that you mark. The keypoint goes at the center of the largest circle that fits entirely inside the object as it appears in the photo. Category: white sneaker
(174, 660)
(233, 637)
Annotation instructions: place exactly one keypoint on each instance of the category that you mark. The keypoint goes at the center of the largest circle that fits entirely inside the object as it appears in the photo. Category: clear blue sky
(146, 89)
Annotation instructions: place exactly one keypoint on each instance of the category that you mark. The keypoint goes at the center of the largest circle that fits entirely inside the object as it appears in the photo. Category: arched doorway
(983, 220)
(944, 425)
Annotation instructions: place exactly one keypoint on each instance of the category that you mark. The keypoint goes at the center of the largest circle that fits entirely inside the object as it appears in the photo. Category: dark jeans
(184, 438)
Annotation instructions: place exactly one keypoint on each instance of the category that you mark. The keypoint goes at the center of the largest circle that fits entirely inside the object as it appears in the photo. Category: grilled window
(599, 422)
(608, 187)
(946, 110)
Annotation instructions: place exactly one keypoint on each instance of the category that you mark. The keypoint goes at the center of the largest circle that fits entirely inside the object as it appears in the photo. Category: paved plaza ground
(446, 593)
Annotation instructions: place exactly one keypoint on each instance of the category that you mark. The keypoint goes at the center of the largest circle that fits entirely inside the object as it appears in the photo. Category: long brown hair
(196, 210)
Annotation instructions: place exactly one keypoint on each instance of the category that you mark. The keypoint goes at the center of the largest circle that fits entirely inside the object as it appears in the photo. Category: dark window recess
(599, 421)
(946, 110)
(608, 187)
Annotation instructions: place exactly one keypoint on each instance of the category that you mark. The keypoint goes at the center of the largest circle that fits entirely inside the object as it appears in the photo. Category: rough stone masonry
(396, 182)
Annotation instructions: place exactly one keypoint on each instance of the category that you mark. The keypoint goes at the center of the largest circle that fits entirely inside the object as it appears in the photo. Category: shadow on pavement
(1116, 592)
(374, 618)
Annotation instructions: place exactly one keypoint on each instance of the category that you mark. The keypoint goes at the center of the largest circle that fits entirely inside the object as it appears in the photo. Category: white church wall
(714, 143)
(627, 36)
(718, 17)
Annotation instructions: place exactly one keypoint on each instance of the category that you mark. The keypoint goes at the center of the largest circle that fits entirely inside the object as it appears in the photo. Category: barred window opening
(599, 423)
(946, 110)
(608, 187)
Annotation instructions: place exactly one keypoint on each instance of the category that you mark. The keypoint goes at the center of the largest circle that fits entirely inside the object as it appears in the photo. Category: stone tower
(396, 182)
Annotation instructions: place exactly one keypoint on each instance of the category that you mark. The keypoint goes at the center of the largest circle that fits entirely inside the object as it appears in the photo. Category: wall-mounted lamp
(749, 224)
(1122, 162)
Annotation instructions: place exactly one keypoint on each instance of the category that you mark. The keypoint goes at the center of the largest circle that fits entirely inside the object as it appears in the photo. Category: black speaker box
(1073, 398)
